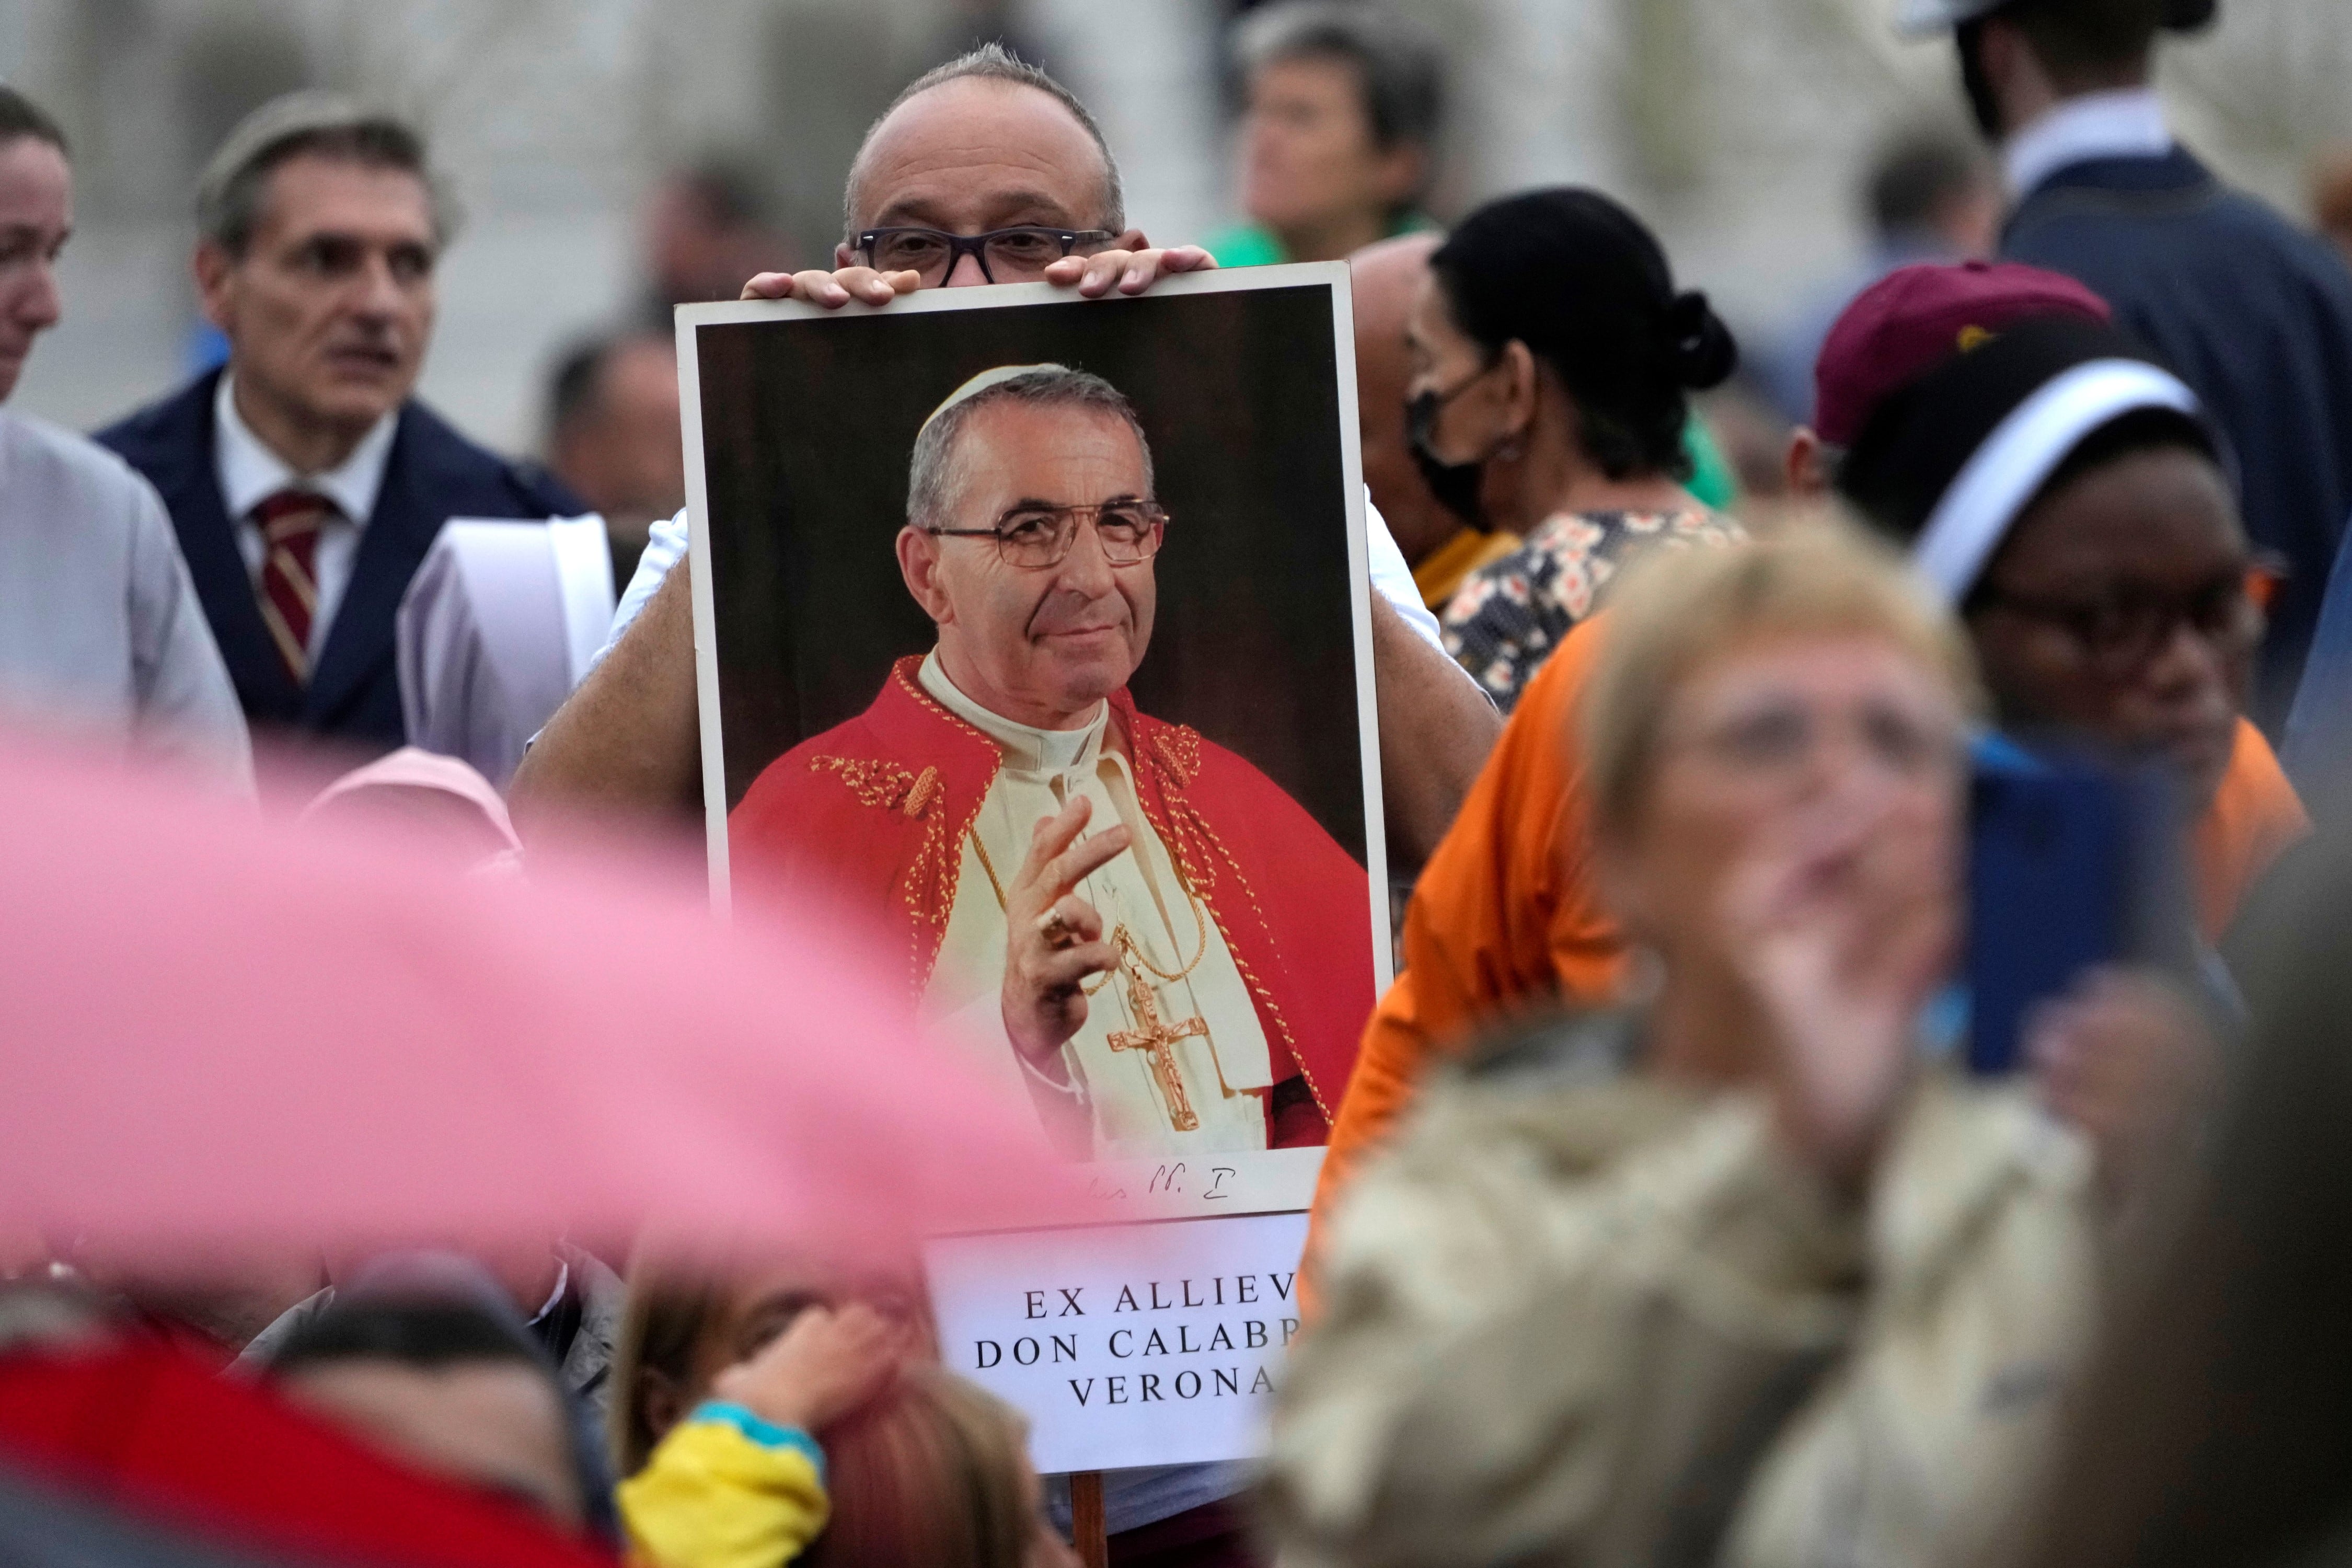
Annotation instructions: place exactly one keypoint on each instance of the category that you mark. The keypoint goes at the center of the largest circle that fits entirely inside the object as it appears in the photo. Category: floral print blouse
(1511, 614)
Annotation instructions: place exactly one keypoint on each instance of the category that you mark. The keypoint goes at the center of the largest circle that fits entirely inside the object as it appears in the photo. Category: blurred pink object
(216, 1035)
(429, 792)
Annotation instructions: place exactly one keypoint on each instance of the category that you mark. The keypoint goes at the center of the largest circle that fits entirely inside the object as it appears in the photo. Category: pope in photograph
(1143, 930)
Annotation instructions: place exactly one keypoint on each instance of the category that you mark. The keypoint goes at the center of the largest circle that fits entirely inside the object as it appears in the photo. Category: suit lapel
(188, 479)
(359, 641)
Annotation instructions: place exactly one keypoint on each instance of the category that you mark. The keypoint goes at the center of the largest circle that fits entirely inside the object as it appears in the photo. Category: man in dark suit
(304, 480)
(2253, 313)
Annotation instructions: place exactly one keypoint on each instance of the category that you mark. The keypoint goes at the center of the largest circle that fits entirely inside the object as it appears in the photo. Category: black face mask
(1974, 82)
(1455, 485)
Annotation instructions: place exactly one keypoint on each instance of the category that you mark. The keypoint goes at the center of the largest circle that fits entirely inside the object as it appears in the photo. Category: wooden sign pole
(1088, 1533)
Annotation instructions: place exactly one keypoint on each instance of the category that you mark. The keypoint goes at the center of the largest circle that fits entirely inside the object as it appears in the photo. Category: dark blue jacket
(2318, 747)
(431, 475)
(2254, 314)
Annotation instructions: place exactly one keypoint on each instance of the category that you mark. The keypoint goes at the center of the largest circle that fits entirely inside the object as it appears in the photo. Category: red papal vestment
(884, 815)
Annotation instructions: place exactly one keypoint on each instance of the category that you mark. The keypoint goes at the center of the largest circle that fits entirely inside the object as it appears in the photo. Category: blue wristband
(767, 1434)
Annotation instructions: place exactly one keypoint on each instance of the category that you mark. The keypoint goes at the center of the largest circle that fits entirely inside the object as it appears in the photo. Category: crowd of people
(1667, 1212)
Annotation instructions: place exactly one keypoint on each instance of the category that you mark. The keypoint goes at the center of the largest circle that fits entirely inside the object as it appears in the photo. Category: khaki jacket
(1581, 1316)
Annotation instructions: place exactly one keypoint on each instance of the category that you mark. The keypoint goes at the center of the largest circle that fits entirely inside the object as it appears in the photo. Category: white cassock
(1223, 1066)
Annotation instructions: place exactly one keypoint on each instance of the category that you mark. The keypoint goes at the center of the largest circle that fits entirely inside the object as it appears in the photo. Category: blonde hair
(934, 1474)
(1677, 610)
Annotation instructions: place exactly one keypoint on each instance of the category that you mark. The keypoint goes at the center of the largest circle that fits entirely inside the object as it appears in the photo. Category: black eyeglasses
(1019, 253)
(2121, 632)
(1034, 538)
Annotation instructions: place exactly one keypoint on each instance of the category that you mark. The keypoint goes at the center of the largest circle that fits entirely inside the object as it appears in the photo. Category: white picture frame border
(1332, 275)
(1131, 1192)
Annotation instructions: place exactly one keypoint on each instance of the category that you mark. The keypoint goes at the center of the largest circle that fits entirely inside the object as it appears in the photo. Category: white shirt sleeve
(1392, 578)
(665, 548)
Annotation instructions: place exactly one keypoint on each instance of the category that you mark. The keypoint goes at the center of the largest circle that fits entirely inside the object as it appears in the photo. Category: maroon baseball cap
(1915, 318)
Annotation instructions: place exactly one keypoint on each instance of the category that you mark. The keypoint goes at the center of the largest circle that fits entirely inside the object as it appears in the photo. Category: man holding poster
(1185, 979)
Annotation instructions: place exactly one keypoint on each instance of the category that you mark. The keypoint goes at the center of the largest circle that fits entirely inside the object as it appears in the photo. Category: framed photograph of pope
(1035, 632)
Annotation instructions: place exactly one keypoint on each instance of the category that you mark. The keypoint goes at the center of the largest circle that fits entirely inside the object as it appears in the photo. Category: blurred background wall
(1737, 127)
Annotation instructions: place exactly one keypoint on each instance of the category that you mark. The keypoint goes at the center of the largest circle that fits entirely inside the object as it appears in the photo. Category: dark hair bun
(2188, 16)
(1704, 351)
(1579, 280)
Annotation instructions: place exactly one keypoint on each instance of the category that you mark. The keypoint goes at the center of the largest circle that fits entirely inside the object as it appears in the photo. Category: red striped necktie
(291, 522)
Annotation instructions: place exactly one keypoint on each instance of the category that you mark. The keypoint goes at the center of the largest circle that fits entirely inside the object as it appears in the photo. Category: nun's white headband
(2017, 459)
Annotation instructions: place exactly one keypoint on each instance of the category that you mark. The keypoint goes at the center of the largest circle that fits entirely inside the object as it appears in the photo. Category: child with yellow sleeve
(740, 1483)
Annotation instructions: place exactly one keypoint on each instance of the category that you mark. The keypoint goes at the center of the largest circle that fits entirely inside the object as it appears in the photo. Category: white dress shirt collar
(250, 473)
(1027, 750)
(2125, 123)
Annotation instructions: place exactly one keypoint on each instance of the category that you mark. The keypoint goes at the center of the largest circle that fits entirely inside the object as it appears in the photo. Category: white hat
(986, 379)
(1924, 18)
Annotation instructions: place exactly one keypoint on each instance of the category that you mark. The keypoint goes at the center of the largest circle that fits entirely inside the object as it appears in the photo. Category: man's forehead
(34, 174)
(1035, 451)
(637, 361)
(974, 152)
(962, 207)
(311, 191)
(1387, 275)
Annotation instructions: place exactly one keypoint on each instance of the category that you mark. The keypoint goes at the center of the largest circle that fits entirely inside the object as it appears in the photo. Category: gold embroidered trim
(928, 892)
(1188, 833)
(875, 783)
(1178, 746)
(926, 790)
(1177, 749)
(996, 883)
(951, 878)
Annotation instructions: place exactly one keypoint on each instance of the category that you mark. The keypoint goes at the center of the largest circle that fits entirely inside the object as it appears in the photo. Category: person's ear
(1807, 464)
(661, 1404)
(1997, 46)
(1400, 172)
(1520, 380)
(919, 564)
(216, 272)
(2021, 88)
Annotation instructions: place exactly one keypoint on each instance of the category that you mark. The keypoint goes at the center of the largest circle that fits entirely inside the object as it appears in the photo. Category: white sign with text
(1126, 1344)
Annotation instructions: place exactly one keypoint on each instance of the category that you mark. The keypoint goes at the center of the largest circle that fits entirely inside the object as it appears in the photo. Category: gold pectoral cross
(1158, 1039)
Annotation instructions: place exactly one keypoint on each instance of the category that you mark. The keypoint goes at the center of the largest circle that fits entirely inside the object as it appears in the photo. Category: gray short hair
(935, 478)
(1401, 64)
(319, 124)
(991, 62)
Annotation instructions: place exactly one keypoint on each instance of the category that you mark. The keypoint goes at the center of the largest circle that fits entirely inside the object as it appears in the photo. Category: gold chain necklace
(1152, 1036)
(1121, 939)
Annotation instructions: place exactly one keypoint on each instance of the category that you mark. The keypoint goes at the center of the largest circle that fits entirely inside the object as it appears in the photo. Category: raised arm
(626, 742)
(1436, 729)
